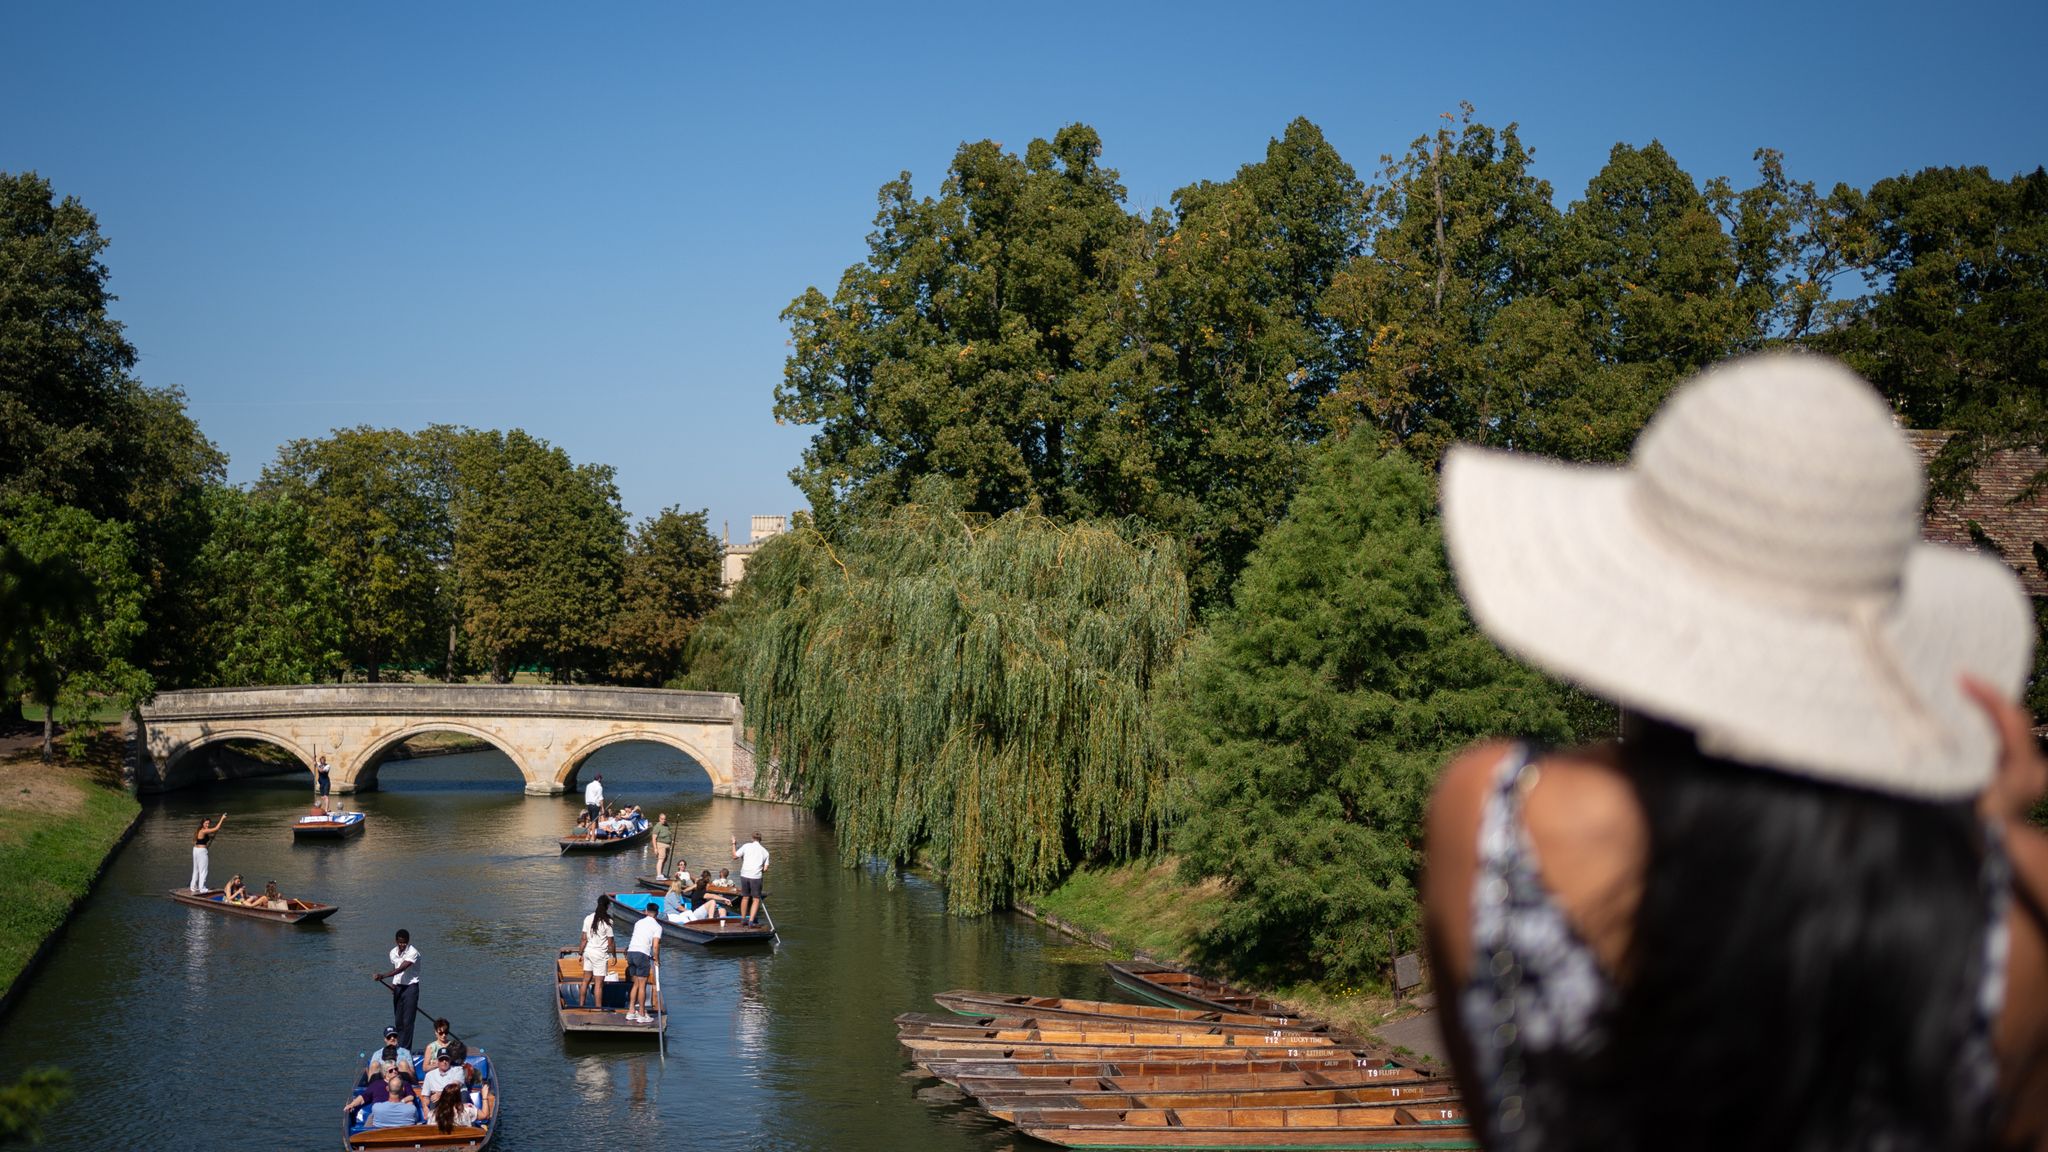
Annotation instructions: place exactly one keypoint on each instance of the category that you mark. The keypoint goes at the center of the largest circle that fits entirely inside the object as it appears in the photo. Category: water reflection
(789, 1048)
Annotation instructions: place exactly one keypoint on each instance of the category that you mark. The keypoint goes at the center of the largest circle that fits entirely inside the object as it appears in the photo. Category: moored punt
(425, 1135)
(965, 1002)
(606, 843)
(934, 1024)
(1120, 1053)
(1325, 1064)
(329, 827)
(1366, 1138)
(298, 912)
(1369, 1089)
(1435, 1096)
(923, 1038)
(1173, 987)
(606, 1017)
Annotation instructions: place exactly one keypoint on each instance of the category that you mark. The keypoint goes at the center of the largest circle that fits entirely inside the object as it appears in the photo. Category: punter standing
(405, 986)
(753, 858)
(208, 829)
(593, 797)
(320, 781)
(664, 843)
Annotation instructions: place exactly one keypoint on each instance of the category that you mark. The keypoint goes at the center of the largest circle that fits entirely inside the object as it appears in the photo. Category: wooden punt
(300, 912)
(657, 884)
(329, 827)
(1175, 988)
(1371, 1089)
(931, 1023)
(355, 1138)
(1118, 1053)
(606, 843)
(938, 1037)
(715, 932)
(608, 1016)
(1366, 1138)
(966, 1002)
(1323, 1064)
(1437, 1095)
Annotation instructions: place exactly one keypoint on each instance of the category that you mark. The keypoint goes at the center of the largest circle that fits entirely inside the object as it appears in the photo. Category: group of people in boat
(445, 1090)
(610, 823)
(237, 892)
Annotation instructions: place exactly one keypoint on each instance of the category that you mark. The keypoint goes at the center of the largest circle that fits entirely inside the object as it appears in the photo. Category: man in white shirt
(642, 954)
(593, 797)
(441, 1075)
(753, 858)
(405, 986)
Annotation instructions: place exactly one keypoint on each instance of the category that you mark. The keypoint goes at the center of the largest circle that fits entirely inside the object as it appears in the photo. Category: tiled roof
(2016, 528)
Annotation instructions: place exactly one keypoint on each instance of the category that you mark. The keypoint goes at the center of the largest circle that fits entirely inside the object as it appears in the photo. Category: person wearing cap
(444, 1070)
(405, 985)
(388, 1056)
(1806, 852)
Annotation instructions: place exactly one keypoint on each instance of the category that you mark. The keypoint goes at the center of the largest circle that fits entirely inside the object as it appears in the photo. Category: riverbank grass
(57, 823)
(1145, 910)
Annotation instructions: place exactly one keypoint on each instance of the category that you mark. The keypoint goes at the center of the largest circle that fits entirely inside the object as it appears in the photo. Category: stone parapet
(658, 704)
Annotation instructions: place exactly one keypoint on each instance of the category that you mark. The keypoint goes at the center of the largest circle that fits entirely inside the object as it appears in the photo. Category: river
(184, 1028)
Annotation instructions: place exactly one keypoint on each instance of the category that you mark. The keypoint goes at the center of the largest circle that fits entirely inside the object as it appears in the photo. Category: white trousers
(198, 868)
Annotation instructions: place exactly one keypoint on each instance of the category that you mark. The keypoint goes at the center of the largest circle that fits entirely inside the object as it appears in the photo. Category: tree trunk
(451, 653)
(49, 731)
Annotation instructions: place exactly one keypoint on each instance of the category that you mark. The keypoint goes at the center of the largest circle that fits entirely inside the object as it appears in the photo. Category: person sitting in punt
(273, 899)
(453, 1110)
(442, 1073)
(597, 951)
(235, 892)
(683, 872)
(479, 1093)
(704, 903)
(445, 1040)
(673, 905)
(399, 1107)
(391, 1056)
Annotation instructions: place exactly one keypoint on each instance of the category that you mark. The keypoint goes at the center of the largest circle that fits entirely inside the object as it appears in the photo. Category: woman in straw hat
(1796, 906)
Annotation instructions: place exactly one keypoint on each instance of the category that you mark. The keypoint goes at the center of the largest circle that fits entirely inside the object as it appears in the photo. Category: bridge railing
(446, 700)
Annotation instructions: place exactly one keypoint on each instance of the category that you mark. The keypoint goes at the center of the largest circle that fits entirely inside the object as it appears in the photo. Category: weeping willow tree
(968, 689)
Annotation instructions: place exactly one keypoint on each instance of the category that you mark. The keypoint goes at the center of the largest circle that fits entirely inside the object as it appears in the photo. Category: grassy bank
(1143, 910)
(57, 823)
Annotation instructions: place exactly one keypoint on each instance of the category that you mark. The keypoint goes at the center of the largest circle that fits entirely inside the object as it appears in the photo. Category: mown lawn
(47, 859)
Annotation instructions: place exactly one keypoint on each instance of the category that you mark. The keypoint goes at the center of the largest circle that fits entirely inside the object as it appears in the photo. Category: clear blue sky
(583, 220)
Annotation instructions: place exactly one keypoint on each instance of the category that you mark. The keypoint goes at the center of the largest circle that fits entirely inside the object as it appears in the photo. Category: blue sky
(583, 220)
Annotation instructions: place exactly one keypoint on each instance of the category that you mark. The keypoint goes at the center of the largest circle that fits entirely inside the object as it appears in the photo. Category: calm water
(192, 1029)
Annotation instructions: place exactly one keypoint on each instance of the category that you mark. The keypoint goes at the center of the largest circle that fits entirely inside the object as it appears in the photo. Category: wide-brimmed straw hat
(1755, 574)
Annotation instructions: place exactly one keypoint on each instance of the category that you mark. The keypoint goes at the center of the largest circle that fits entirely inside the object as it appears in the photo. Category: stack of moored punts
(1235, 1071)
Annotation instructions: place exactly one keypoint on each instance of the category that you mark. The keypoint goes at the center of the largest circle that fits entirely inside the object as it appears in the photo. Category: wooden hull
(1433, 1096)
(301, 911)
(570, 844)
(1120, 1053)
(606, 1018)
(1205, 1064)
(427, 1136)
(352, 825)
(1371, 1088)
(657, 884)
(1331, 1139)
(1050, 1023)
(919, 1036)
(1178, 989)
(969, 1003)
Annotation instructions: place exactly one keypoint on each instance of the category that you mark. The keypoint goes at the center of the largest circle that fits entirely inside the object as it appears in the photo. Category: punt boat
(657, 884)
(640, 835)
(355, 1137)
(1362, 1082)
(1175, 988)
(966, 1002)
(607, 1016)
(1338, 1064)
(1396, 1128)
(299, 912)
(931, 1023)
(335, 827)
(1436, 1096)
(719, 930)
(924, 1036)
(1095, 1053)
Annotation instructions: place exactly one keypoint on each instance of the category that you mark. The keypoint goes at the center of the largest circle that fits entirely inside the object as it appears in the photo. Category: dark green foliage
(1317, 713)
(271, 608)
(24, 1103)
(966, 689)
(671, 584)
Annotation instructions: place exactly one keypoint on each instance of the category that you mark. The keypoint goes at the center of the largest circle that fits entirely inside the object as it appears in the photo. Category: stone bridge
(547, 732)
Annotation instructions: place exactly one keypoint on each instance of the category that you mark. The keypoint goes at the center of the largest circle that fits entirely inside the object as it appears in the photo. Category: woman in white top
(597, 951)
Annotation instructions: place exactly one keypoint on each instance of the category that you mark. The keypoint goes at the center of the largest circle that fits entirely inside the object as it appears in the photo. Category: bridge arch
(572, 765)
(180, 755)
(360, 773)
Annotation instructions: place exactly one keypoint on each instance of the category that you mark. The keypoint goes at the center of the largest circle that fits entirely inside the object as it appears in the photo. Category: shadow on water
(155, 1006)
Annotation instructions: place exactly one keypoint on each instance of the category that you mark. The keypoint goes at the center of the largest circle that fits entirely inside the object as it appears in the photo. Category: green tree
(378, 514)
(1952, 332)
(671, 583)
(964, 689)
(273, 607)
(30, 1098)
(79, 661)
(539, 553)
(1316, 714)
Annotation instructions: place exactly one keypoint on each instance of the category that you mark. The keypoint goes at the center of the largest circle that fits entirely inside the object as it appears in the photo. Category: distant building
(764, 528)
(2002, 518)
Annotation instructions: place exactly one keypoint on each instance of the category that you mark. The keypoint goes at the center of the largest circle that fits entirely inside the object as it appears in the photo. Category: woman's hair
(445, 1106)
(602, 912)
(1803, 969)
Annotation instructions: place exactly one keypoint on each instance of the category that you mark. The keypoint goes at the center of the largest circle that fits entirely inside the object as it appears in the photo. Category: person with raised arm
(200, 839)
